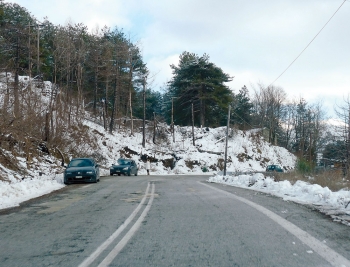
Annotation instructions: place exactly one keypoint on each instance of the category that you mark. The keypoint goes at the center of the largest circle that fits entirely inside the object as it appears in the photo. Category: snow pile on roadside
(12, 194)
(336, 204)
(42, 178)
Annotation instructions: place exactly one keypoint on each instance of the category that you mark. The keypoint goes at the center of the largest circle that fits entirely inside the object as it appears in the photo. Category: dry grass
(332, 179)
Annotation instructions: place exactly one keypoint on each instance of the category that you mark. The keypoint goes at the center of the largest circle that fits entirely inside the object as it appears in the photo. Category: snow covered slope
(247, 151)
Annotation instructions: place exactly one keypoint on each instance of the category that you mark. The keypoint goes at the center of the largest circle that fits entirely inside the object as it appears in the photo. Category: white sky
(254, 41)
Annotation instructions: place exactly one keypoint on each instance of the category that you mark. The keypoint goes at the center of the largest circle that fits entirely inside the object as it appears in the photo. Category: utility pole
(347, 145)
(38, 62)
(29, 60)
(193, 126)
(144, 113)
(172, 117)
(154, 127)
(228, 126)
(30, 79)
(16, 109)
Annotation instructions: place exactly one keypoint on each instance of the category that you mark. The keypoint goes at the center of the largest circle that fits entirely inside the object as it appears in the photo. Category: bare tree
(288, 122)
(268, 108)
(120, 54)
(343, 113)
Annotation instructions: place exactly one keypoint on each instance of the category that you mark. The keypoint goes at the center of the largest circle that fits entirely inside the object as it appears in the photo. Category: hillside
(247, 151)
(24, 155)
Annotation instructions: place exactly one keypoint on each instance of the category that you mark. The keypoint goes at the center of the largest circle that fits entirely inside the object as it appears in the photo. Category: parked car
(124, 166)
(274, 168)
(82, 170)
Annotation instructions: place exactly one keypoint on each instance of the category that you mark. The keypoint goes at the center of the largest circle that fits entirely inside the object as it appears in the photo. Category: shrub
(303, 166)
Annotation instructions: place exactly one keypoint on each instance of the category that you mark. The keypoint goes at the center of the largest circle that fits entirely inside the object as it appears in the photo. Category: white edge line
(110, 257)
(110, 239)
(320, 248)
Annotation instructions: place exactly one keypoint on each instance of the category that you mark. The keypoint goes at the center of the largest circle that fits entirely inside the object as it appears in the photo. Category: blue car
(81, 170)
(274, 168)
(124, 166)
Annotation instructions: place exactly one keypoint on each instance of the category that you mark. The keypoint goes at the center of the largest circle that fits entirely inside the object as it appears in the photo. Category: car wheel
(118, 174)
(111, 174)
(135, 173)
(129, 173)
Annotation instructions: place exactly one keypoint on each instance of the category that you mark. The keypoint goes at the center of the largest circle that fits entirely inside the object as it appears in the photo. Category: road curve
(168, 221)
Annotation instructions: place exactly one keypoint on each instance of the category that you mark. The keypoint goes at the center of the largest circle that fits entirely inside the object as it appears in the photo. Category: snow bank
(12, 194)
(336, 204)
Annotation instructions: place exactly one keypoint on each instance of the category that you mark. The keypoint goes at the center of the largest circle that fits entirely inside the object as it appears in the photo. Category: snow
(335, 204)
(12, 194)
(247, 152)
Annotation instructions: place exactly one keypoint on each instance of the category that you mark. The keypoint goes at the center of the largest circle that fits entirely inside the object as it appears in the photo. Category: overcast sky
(254, 41)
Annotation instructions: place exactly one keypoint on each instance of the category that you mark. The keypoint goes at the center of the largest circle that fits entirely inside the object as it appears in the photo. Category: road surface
(168, 221)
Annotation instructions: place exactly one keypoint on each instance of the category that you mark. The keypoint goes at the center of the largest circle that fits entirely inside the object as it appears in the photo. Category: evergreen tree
(242, 108)
(153, 104)
(198, 81)
(335, 151)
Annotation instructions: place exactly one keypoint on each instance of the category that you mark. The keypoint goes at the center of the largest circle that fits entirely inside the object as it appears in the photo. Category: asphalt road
(168, 221)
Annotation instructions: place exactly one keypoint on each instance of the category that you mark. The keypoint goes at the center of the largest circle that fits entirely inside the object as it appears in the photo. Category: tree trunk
(114, 107)
(131, 118)
(95, 91)
(47, 127)
(105, 122)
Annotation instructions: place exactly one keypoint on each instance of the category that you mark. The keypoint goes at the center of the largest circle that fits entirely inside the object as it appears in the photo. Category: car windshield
(80, 163)
(123, 162)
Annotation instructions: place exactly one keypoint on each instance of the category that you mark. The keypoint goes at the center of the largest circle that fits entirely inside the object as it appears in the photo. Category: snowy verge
(335, 204)
(12, 194)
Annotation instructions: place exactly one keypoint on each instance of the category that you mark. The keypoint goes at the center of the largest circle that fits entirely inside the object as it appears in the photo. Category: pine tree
(197, 80)
(242, 108)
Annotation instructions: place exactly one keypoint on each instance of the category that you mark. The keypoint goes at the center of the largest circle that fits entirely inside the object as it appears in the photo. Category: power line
(308, 43)
(242, 119)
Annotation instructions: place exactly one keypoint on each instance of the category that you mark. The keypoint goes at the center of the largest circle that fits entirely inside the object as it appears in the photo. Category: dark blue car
(124, 166)
(274, 168)
(81, 170)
